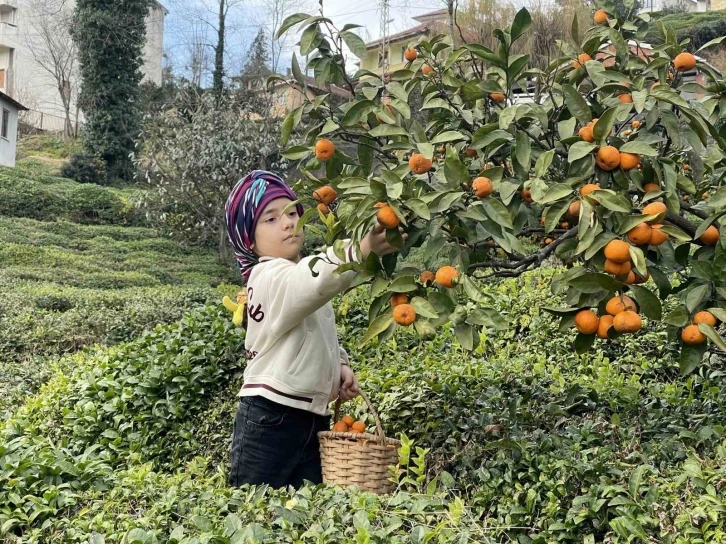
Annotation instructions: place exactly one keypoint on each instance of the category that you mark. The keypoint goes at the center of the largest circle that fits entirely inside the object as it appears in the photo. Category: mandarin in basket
(358, 427)
(348, 420)
(340, 427)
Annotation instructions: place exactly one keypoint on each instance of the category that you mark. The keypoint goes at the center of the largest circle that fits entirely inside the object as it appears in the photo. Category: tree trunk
(222, 243)
(450, 7)
(218, 77)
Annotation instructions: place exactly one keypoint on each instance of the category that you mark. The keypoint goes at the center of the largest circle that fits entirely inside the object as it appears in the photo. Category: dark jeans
(275, 444)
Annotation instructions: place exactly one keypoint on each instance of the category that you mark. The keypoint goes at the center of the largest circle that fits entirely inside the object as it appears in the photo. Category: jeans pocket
(264, 413)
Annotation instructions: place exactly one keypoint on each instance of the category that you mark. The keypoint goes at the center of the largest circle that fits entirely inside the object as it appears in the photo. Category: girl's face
(275, 232)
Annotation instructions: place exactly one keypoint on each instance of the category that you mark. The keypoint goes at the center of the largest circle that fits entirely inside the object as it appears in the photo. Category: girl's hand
(375, 242)
(348, 384)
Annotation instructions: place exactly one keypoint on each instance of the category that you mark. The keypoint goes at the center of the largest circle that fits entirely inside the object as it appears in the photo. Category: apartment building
(25, 58)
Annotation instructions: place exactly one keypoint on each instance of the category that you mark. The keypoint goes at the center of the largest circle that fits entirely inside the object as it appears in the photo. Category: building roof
(426, 22)
(12, 101)
(166, 11)
(432, 15)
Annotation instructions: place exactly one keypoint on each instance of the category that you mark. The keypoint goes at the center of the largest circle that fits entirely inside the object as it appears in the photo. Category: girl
(295, 365)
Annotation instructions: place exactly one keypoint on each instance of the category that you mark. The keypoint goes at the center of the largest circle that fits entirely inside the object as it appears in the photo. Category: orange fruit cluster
(349, 425)
(325, 196)
(621, 314)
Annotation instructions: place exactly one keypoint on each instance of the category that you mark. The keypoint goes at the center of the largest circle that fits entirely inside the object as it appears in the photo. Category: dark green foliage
(85, 168)
(700, 27)
(109, 36)
(27, 192)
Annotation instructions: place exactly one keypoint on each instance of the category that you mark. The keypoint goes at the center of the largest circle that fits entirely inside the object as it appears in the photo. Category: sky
(180, 31)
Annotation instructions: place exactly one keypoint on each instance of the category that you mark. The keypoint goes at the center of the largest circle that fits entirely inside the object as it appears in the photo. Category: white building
(688, 5)
(27, 65)
(9, 110)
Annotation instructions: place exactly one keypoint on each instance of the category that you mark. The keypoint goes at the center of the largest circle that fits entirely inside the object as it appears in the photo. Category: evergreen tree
(256, 68)
(110, 35)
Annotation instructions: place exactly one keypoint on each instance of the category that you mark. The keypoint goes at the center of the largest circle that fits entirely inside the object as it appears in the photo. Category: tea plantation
(118, 374)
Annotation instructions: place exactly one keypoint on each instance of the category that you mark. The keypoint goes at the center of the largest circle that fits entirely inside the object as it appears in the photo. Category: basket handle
(379, 427)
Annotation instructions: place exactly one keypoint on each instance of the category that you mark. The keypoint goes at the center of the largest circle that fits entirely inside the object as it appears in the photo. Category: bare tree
(198, 60)
(274, 12)
(216, 16)
(49, 42)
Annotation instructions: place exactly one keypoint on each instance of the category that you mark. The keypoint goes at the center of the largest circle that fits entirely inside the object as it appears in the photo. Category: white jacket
(291, 342)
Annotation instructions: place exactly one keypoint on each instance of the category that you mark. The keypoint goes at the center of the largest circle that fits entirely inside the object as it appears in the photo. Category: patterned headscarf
(244, 206)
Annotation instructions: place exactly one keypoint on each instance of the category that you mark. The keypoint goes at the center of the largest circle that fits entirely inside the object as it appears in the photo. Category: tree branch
(518, 267)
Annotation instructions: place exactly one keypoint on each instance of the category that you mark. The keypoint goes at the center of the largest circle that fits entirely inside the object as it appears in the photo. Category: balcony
(8, 35)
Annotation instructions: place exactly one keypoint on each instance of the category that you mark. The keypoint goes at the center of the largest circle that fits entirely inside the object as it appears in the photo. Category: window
(6, 122)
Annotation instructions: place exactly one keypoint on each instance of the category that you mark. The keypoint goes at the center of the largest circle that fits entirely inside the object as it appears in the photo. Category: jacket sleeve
(344, 355)
(295, 292)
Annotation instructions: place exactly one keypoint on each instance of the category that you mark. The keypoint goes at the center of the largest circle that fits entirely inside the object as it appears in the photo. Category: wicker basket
(359, 459)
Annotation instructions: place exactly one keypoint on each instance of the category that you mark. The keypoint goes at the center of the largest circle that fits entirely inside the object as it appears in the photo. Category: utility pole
(385, 21)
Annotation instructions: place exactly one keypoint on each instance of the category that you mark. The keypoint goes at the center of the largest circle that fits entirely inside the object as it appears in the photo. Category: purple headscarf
(244, 206)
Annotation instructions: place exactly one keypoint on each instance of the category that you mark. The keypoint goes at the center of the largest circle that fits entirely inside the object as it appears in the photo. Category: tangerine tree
(595, 164)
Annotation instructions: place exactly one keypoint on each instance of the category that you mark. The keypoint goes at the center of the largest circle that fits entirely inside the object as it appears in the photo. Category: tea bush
(66, 286)
(32, 193)
(527, 441)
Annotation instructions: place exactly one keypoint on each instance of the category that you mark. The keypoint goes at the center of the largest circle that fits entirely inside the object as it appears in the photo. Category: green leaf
(556, 192)
(635, 481)
(423, 308)
(712, 335)
(627, 526)
(448, 136)
(297, 72)
(605, 124)
(543, 163)
(612, 201)
(522, 150)
(455, 171)
(419, 207)
(639, 148)
(583, 342)
(388, 130)
(291, 21)
(577, 104)
(522, 22)
(553, 214)
(691, 357)
(296, 152)
(720, 313)
(579, 150)
(287, 126)
(710, 43)
(465, 335)
(309, 39)
(648, 302)
(497, 211)
(666, 94)
(697, 296)
(632, 221)
(377, 326)
(678, 317)
(355, 43)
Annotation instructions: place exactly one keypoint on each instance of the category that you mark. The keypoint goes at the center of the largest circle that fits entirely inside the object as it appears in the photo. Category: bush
(66, 286)
(539, 443)
(699, 27)
(85, 168)
(30, 193)
(193, 154)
